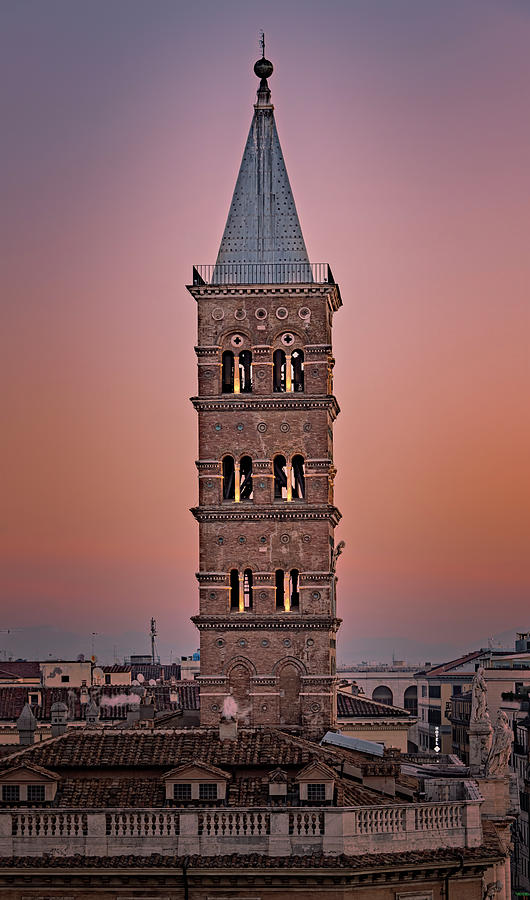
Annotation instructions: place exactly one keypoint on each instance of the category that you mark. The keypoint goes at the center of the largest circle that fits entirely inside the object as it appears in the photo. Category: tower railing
(263, 273)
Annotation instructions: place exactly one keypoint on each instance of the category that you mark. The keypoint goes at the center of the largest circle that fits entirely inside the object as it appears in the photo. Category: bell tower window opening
(297, 363)
(234, 589)
(281, 482)
(279, 371)
(245, 371)
(245, 478)
(229, 480)
(247, 589)
(294, 592)
(298, 477)
(228, 372)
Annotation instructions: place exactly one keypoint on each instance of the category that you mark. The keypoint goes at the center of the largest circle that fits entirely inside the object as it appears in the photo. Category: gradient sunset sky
(405, 126)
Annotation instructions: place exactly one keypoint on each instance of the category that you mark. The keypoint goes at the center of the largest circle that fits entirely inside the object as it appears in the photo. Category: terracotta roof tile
(360, 707)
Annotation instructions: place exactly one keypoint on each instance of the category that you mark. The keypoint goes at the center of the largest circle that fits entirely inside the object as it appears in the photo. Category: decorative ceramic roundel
(282, 312)
(237, 340)
(263, 539)
(220, 642)
(284, 538)
(261, 373)
(218, 314)
(262, 428)
(239, 426)
(315, 707)
(240, 314)
(209, 484)
(310, 642)
(306, 538)
(264, 707)
(316, 595)
(220, 540)
(263, 595)
(304, 312)
(217, 426)
(242, 539)
(212, 595)
(261, 313)
(285, 427)
(307, 426)
(214, 707)
(287, 642)
(288, 339)
(242, 642)
(265, 642)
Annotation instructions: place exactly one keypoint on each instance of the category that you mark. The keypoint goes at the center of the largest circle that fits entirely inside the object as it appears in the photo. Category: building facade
(267, 614)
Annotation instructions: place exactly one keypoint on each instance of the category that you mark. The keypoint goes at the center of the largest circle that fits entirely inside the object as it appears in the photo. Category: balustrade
(354, 830)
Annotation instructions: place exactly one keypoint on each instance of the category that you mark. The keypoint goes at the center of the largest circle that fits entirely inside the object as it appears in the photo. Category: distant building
(363, 718)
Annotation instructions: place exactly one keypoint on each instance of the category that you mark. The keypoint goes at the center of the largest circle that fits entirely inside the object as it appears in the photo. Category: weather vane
(262, 43)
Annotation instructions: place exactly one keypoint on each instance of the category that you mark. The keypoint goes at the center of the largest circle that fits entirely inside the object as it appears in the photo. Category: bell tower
(267, 613)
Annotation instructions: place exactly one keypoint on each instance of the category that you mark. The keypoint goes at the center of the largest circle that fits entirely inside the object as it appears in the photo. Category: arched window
(280, 588)
(247, 588)
(279, 371)
(228, 372)
(245, 371)
(293, 589)
(298, 478)
(245, 478)
(383, 694)
(297, 363)
(234, 589)
(280, 478)
(229, 481)
(410, 700)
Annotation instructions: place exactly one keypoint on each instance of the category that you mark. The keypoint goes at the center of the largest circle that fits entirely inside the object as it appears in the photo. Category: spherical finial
(263, 68)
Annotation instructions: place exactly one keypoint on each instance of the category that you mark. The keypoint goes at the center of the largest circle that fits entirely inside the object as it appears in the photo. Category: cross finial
(262, 43)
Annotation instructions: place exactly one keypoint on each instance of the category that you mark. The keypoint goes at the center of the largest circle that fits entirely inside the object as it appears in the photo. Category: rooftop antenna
(154, 656)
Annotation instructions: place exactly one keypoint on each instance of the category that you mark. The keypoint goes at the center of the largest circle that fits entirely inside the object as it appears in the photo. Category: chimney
(227, 729)
(92, 714)
(59, 718)
(26, 725)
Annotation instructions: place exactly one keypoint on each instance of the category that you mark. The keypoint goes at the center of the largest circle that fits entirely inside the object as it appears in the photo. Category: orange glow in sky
(406, 135)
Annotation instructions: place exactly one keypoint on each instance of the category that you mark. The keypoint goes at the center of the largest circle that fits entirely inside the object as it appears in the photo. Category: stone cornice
(283, 513)
(206, 292)
(249, 622)
(236, 402)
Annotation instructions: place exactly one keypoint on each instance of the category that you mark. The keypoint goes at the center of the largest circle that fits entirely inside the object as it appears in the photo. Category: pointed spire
(262, 226)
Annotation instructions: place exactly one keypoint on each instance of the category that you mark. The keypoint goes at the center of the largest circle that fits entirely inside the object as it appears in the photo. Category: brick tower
(267, 617)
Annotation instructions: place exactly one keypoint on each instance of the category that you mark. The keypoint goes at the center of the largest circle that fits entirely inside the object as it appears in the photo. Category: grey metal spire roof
(262, 225)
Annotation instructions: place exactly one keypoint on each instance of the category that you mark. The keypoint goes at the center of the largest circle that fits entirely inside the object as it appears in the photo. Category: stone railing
(210, 832)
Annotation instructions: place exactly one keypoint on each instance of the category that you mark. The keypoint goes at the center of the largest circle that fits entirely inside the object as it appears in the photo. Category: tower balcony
(262, 273)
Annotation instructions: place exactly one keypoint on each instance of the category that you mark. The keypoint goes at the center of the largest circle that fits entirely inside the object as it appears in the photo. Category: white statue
(479, 695)
(501, 747)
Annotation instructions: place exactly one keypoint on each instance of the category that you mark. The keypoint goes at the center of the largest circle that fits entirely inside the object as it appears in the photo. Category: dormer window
(182, 792)
(316, 793)
(36, 793)
(316, 783)
(28, 783)
(194, 782)
(207, 791)
(11, 793)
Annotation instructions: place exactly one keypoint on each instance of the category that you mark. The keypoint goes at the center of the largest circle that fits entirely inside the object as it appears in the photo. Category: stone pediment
(25, 772)
(196, 772)
(316, 771)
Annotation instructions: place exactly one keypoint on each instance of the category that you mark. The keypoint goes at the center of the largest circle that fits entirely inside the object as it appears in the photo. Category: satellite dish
(140, 678)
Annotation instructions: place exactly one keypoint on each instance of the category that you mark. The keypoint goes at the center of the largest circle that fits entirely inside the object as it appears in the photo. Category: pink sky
(406, 134)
